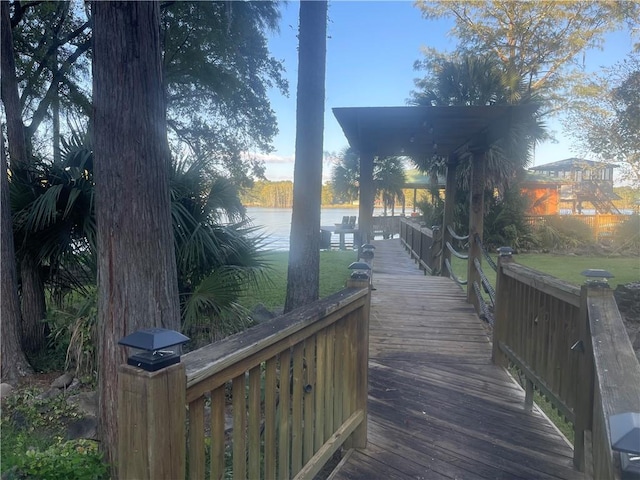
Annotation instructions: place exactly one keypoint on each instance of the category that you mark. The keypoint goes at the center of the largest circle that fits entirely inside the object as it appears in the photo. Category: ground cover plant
(32, 431)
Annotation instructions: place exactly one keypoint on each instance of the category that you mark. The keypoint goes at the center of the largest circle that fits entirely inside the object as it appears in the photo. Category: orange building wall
(544, 200)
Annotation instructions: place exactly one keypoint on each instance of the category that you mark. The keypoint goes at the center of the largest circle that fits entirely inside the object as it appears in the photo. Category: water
(276, 222)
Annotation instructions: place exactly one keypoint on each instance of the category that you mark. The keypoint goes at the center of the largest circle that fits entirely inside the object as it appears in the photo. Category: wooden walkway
(438, 407)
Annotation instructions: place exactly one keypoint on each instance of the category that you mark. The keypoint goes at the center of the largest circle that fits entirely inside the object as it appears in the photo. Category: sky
(371, 49)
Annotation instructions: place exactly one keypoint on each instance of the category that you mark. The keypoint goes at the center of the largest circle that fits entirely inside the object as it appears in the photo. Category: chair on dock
(351, 221)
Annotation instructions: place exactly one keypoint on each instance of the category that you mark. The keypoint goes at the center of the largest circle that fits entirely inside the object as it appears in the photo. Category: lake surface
(275, 223)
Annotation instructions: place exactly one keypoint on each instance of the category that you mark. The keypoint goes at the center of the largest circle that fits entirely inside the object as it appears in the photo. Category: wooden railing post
(584, 406)
(501, 320)
(151, 421)
(359, 436)
(476, 222)
(449, 207)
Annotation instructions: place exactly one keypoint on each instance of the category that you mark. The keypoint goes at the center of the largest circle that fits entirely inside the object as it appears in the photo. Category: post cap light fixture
(360, 270)
(155, 343)
(597, 277)
(624, 429)
(505, 251)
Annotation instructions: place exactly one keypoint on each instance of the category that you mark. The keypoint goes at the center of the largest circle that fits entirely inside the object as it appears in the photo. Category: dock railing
(275, 401)
(572, 347)
(424, 245)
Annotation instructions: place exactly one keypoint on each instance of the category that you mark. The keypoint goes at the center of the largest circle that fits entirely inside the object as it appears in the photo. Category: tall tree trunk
(33, 304)
(9, 93)
(14, 363)
(137, 275)
(303, 277)
(32, 296)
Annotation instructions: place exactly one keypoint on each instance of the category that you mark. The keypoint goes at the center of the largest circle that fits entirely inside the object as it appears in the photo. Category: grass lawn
(334, 272)
(333, 275)
(567, 267)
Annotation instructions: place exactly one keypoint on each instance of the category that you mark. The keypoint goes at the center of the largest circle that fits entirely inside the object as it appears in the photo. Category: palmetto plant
(217, 252)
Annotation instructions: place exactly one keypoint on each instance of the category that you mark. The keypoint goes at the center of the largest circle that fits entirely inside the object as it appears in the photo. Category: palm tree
(482, 81)
(388, 177)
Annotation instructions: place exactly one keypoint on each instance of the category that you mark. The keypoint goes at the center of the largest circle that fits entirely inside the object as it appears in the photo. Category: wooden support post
(501, 321)
(367, 197)
(151, 419)
(359, 437)
(476, 219)
(449, 206)
(584, 406)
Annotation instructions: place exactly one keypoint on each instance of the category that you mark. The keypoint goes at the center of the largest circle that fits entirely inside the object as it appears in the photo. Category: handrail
(571, 345)
(424, 245)
(275, 401)
(311, 363)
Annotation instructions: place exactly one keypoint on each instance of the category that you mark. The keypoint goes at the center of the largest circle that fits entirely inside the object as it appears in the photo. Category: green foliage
(64, 460)
(388, 178)
(537, 42)
(218, 70)
(627, 235)
(32, 431)
(563, 232)
(505, 222)
(269, 194)
(606, 119)
(73, 325)
(25, 410)
(472, 80)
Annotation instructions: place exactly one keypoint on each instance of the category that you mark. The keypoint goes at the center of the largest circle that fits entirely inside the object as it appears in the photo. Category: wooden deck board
(438, 407)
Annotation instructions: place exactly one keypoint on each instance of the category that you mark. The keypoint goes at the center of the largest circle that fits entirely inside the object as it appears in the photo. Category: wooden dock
(438, 407)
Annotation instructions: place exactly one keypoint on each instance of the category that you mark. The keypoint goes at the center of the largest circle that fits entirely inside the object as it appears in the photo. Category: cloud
(271, 158)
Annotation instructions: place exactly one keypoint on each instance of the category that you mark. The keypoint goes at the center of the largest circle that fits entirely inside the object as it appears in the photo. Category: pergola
(421, 132)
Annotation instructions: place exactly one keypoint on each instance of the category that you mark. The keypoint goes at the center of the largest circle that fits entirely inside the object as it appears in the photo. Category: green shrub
(64, 460)
(627, 235)
(564, 232)
(31, 431)
(73, 327)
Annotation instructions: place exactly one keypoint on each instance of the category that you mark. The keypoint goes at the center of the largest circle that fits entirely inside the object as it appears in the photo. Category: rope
(485, 281)
(455, 236)
(486, 254)
(455, 253)
(452, 275)
(485, 313)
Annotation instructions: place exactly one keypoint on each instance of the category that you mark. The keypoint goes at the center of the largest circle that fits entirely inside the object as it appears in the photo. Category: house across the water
(573, 183)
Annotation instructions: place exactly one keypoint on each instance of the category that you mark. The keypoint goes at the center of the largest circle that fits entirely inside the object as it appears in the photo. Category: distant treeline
(280, 194)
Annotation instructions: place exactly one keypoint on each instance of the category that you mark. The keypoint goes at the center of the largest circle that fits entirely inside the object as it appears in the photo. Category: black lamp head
(154, 342)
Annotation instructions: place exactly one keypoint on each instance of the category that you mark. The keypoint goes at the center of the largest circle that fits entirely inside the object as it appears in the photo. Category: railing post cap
(624, 431)
(505, 251)
(596, 277)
